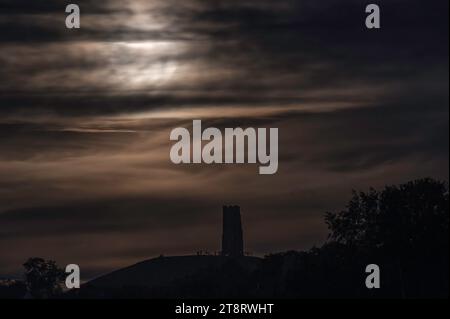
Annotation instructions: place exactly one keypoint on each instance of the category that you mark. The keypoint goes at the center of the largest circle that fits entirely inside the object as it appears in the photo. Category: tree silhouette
(413, 215)
(43, 278)
(400, 224)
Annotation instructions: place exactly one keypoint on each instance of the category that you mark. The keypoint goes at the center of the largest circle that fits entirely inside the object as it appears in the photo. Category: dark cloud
(290, 46)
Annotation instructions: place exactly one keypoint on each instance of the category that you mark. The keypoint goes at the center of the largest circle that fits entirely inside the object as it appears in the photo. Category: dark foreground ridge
(171, 277)
(166, 271)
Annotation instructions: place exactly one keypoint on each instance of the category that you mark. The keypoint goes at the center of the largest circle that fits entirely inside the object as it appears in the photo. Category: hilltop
(164, 275)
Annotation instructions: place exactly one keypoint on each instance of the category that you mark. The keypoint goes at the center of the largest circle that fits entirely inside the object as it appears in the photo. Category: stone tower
(232, 239)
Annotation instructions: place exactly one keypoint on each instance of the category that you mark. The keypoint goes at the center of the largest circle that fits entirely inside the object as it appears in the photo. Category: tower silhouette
(232, 238)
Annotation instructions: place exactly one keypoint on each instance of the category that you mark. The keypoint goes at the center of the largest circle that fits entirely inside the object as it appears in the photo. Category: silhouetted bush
(43, 278)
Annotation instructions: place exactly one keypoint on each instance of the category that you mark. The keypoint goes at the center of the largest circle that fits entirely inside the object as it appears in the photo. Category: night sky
(85, 118)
